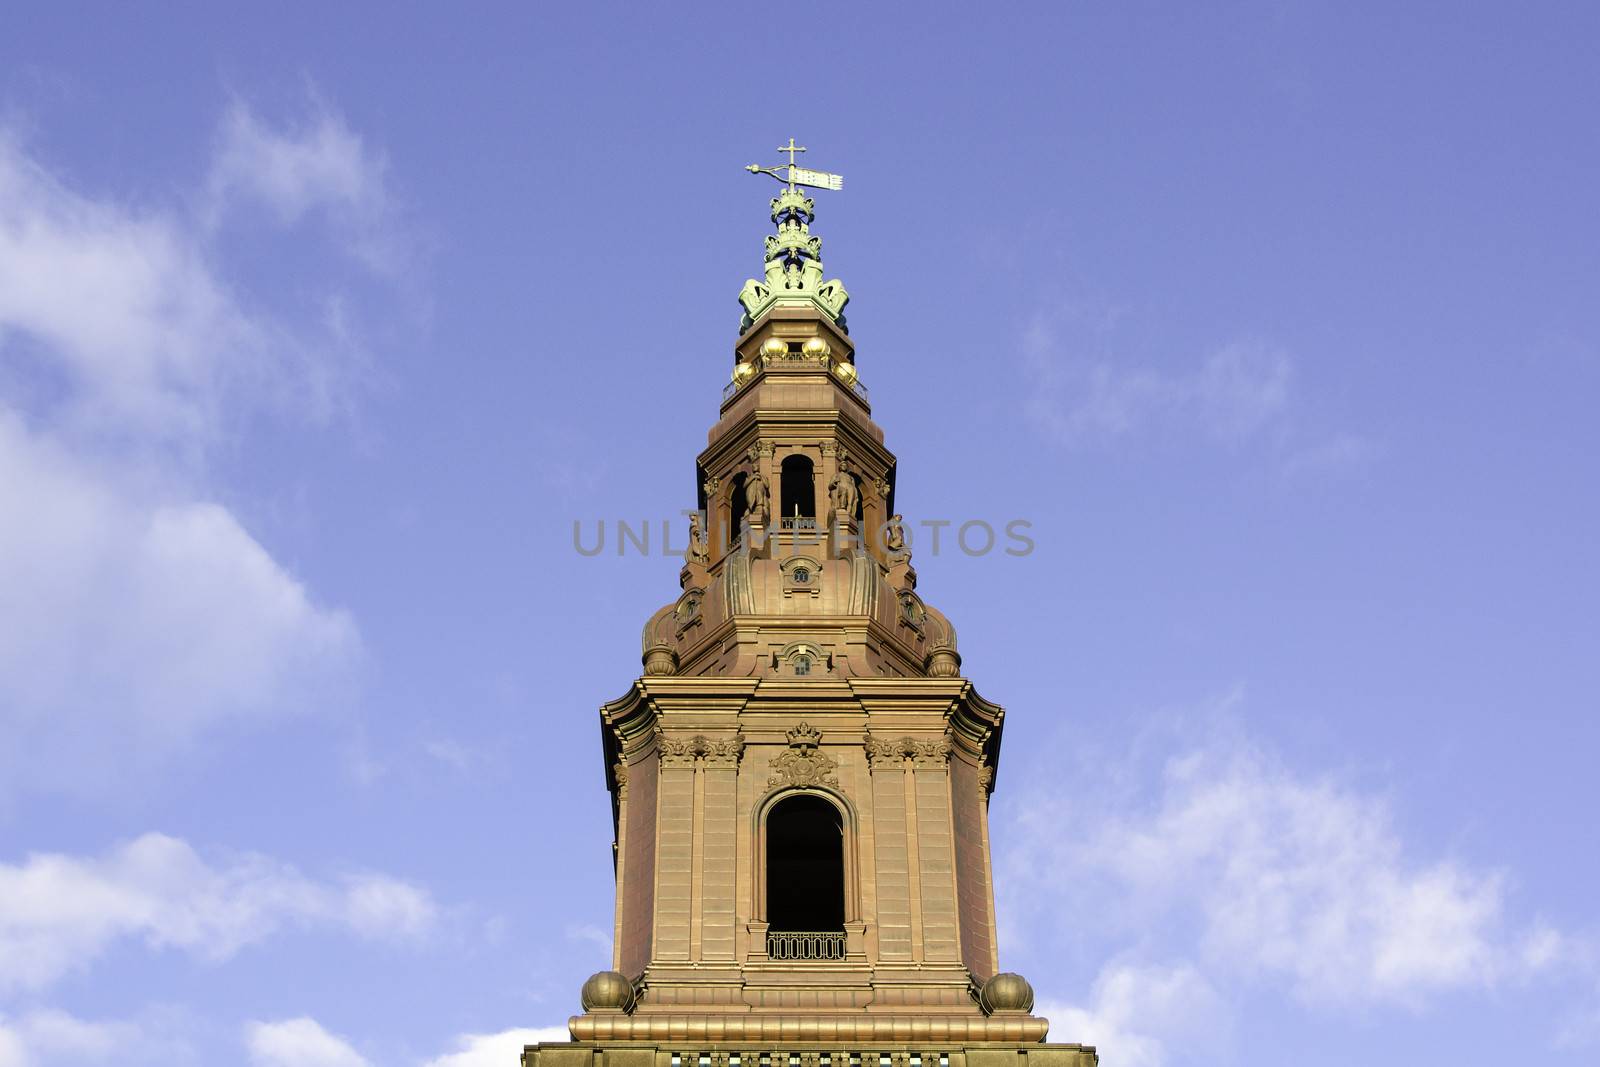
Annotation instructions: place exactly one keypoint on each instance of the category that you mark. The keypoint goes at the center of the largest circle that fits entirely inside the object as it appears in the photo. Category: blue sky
(319, 329)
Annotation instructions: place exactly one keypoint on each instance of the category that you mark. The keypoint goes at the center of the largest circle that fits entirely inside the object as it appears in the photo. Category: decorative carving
(756, 497)
(894, 535)
(882, 752)
(843, 494)
(619, 773)
(722, 753)
(699, 551)
(677, 751)
(803, 764)
(686, 751)
(986, 779)
(894, 753)
(805, 737)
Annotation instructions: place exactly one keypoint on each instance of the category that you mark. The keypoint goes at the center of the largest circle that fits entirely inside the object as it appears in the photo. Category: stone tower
(800, 779)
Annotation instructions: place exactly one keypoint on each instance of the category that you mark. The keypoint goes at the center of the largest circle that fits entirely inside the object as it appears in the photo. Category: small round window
(801, 575)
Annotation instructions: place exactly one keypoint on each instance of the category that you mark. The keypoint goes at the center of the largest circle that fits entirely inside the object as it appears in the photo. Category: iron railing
(804, 945)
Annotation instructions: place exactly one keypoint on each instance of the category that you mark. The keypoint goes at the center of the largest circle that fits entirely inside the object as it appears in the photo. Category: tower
(800, 779)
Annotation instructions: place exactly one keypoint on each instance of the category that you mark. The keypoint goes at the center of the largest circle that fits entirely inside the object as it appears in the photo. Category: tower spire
(793, 274)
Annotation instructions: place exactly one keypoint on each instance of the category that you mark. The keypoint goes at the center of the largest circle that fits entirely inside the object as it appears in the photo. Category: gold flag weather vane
(798, 175)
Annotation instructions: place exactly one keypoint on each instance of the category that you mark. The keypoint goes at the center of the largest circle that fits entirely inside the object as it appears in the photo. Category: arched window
(805, 866)
(798, 488)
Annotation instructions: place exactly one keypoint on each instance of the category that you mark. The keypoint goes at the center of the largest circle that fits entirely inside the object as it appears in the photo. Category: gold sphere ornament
(743, 372)
(846, 372)
(774, 348)
(607, 991)
(816, 348)
(1006, 993)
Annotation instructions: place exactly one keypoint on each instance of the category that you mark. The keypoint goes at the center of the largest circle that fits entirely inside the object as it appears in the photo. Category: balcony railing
(806, 945)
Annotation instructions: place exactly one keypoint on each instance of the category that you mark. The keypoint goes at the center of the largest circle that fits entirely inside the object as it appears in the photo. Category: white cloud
(139, 612)
(497, 1050)
(58, 913)
(134, 619)
(122, 304)
(298, 1042)
(1136, 1013)
(1081, 392)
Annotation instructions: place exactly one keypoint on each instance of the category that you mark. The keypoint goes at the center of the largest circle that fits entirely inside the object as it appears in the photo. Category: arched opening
(798, 489)
(861, 499)
(737, 514)
(805, 866)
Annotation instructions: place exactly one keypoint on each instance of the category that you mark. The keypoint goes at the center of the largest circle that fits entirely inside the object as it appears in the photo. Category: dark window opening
(798, 489)
(805, 866)
(736, 517)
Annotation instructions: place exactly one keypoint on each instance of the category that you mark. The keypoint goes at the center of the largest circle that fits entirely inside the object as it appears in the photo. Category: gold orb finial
(816, 348)
(846, 372)
(774, 348)
(743, 372)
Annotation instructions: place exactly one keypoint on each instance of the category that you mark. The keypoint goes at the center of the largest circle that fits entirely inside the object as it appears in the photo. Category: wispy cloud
(49, 1036)
(1136, 1012)
(316, 165)
(1083, 391)
(59, 913)
(1225, 868)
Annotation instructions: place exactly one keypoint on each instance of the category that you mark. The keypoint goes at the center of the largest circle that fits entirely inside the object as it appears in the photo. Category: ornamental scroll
(887, 752)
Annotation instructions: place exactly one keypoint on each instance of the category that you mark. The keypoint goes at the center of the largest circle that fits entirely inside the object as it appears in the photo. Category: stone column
(719, 773)
(892, 857)
(675, 850)
(936, 851)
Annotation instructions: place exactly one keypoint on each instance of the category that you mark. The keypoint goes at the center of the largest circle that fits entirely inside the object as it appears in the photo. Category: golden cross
(791, 149)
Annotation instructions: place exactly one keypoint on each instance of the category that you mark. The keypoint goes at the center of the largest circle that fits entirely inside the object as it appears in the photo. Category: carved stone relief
(803, 764)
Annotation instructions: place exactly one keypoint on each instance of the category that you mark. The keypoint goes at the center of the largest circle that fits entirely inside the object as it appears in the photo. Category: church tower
(800, 779)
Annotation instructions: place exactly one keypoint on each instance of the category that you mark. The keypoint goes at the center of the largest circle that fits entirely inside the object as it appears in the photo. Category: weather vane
(796, 174)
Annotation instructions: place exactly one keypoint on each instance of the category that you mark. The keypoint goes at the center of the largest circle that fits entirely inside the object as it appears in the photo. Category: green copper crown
(794, 266)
